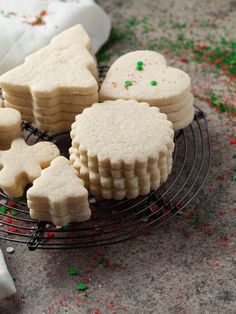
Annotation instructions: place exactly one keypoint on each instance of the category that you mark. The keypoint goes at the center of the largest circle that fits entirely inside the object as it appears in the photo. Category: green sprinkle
(153, 83)
(215, 103)
(235, 168)
(102, 262)
(81, 287)
(233, 178)
(222, 108)
(66, 227)
(3, 209)
(234, 156)
(127, 83)
(179, 25)
(73, 271)
(140, 63)
(14, 212)
(139, 67)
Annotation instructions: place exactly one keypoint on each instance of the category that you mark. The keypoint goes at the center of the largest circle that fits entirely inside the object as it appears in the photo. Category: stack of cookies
(58, 195)
(55, 83)
(145, 76)
(122, 148)
(10, 127)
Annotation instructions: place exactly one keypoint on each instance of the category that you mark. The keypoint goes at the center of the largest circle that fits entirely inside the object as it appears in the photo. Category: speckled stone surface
(189, 266)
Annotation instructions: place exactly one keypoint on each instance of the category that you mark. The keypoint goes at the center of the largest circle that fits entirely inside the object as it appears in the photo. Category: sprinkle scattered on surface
(73, 271)
(81, 287)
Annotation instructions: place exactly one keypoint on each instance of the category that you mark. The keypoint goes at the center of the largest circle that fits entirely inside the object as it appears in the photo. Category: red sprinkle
(11, 204)
(97, 311)
(111, 305)
(153, 208)
(43, 13)
(183, 59)
(232, 141)
(202, 46)
(50, 234)
(12, 229)
(165, 211)
(8, 220)
(221, 213)
(217, 61)
(226, 238)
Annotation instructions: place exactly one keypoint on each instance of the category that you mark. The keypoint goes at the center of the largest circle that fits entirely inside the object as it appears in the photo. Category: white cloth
(28, 25)
(7, 286)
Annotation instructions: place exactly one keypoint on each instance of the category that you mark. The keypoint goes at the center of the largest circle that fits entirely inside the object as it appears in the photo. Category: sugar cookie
(22, 164)
(10, 126)
(144, 75)
(58, 195)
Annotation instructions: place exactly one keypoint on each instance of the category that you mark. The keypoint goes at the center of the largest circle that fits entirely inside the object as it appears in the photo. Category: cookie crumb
(92, 201)
(10, 250)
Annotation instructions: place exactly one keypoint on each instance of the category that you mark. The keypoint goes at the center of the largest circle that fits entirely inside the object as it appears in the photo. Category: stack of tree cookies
(55, 83)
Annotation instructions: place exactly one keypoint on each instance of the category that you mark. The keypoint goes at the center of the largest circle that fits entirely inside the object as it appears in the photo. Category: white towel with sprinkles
(28, 25)
(7, 286)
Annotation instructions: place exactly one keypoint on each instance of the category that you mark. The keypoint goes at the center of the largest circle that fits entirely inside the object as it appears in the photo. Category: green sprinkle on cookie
(139, 67)
(127, 83)
(153, 83)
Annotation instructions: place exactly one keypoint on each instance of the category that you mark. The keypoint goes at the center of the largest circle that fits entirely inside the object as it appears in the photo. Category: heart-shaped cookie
(144, 75)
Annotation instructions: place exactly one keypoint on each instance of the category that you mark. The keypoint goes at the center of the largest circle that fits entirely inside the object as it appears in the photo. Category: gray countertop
(188, 266)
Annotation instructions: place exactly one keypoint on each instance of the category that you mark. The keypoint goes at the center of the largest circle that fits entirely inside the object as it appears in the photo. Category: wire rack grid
(115, 221)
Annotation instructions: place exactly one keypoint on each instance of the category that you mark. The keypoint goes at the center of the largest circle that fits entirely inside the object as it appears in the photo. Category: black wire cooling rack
(115, 221)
